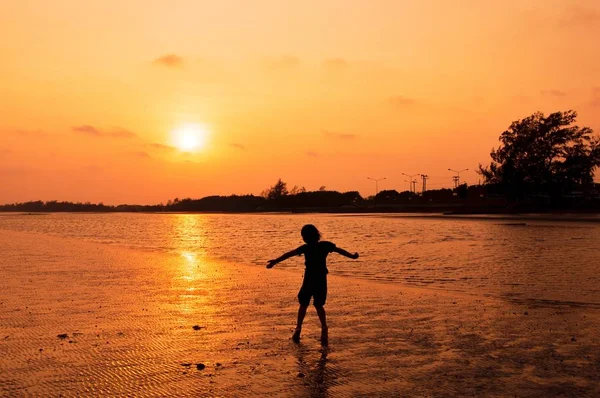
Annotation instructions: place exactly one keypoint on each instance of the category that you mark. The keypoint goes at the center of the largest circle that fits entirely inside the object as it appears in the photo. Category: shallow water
(538, 262)
(90, 319)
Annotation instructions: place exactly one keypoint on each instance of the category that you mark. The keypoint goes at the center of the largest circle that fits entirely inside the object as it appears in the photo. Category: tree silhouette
(296, 190)
(544, 155)
(277, 191)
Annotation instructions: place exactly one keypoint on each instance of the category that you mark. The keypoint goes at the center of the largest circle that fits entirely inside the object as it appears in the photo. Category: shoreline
(539, 216)
(566, 217)
(315, 211)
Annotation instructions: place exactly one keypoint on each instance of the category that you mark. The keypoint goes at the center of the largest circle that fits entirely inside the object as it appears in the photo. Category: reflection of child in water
(315, 276)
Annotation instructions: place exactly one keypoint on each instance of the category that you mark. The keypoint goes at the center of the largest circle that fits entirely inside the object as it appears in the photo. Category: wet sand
(85, 319)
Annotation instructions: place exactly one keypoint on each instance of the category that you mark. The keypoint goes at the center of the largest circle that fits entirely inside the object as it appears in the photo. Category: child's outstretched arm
(295, 252)
(345, 253)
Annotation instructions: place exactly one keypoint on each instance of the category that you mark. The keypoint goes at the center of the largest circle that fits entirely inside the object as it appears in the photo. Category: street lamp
(456, 178)
(424, 177)
(376, 183)
(412, 180)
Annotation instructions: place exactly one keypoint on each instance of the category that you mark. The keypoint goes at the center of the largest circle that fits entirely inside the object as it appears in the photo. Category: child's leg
(324, 329)
(322, 316)
(301, 314)
(319, 301)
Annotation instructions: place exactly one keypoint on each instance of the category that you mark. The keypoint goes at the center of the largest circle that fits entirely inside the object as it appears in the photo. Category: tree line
(542, 162)
(274, 198)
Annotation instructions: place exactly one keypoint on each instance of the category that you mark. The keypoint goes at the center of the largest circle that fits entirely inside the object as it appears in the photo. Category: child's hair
(310, 233)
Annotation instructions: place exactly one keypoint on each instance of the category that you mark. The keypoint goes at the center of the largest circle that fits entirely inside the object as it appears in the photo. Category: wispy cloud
(237, 146)
(335, 63)
(401, 101)
(169, 61)
(340, 136)
(575, 15)
(477, 100)
(553, 93)
(141, 154)
(161, 147)
(86, 129)
(96, 132)
(285, 62)
(312, 154)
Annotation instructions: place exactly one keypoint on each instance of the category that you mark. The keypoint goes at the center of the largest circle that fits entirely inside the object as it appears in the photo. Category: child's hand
(271, 263)
(354, 256)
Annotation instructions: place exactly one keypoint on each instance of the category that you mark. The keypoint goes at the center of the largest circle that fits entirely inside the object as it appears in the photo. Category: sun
(190, 137)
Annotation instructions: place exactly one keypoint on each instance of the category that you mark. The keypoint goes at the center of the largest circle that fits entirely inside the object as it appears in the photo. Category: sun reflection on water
(189, 240)
(191, 284)
(191, 280)
(190, 266)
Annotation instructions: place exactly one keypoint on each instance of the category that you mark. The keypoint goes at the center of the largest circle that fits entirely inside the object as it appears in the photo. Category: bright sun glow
(190, 137)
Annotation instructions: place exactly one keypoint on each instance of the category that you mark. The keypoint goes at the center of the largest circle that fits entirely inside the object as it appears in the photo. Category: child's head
(310, 233)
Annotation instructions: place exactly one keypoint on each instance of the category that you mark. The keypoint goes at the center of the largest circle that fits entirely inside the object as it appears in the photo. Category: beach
(88, 319)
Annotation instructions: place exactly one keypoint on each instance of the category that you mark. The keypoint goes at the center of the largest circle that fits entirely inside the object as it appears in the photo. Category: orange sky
(316, 92)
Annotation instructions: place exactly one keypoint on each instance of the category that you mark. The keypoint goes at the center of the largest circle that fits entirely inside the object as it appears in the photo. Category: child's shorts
(313, 287)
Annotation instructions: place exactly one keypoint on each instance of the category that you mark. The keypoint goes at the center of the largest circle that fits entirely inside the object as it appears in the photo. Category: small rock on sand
(301, 374)
(197, 327)
(62, 336)
(200, 366)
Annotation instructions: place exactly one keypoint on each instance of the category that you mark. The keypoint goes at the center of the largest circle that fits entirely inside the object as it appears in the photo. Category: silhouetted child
(315, 276)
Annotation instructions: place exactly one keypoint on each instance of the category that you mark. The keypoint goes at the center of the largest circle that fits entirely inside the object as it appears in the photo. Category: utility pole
(456, 178)
(376, 183)
(412, 180)
(425, 177)
(456, 181)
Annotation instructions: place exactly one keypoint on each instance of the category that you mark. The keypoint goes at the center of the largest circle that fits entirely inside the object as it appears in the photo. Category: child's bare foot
(324, 336)
(296, 335)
